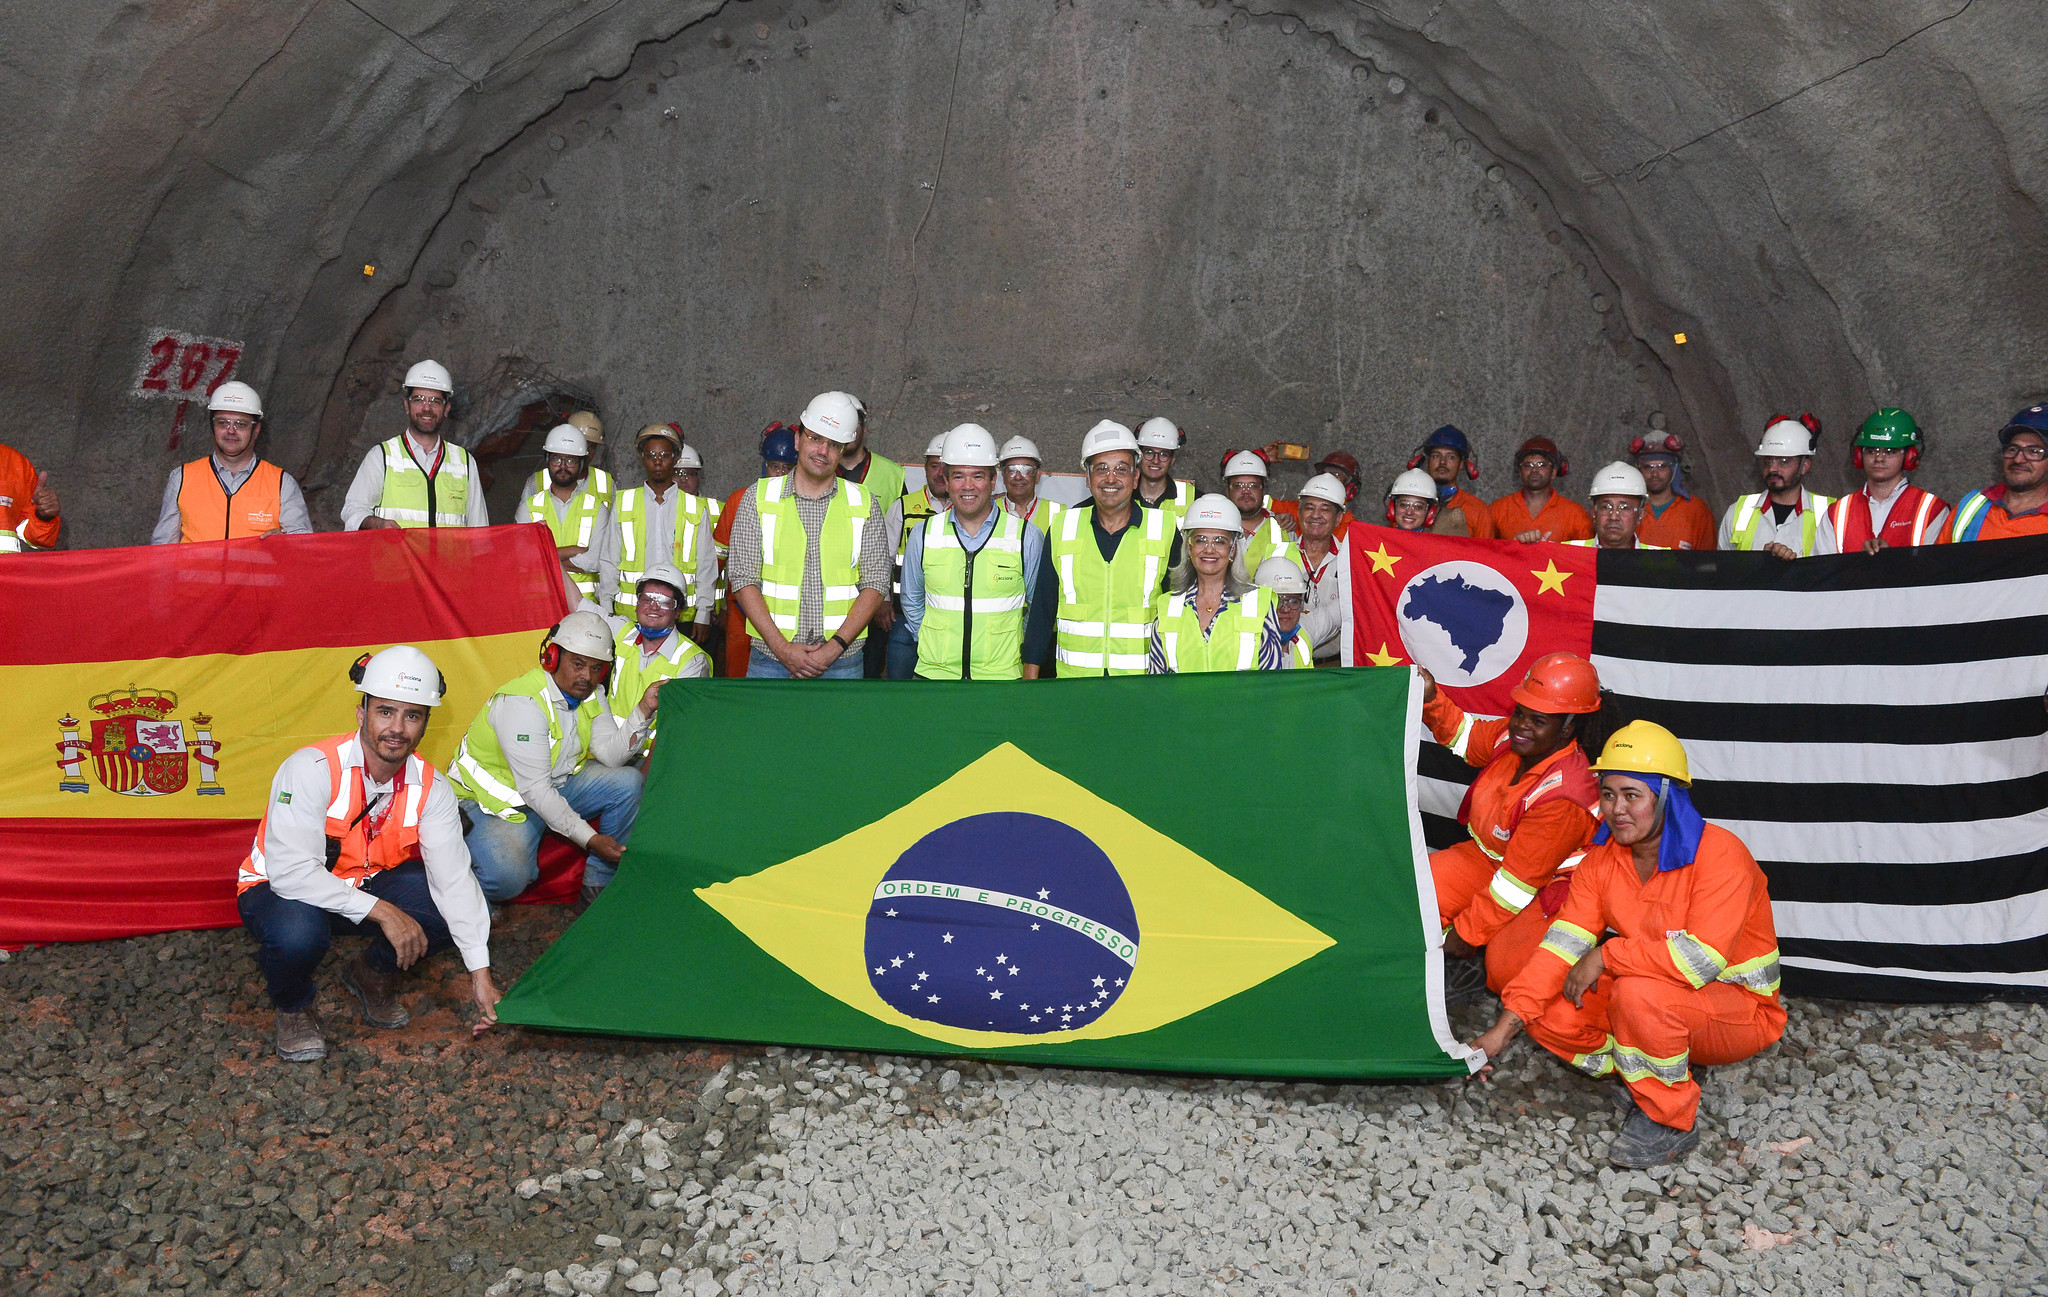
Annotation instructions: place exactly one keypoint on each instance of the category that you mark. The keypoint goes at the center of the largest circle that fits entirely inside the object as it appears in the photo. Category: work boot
(376, 990)
(1645, 1143)
(298, 1037)
(1464, 979)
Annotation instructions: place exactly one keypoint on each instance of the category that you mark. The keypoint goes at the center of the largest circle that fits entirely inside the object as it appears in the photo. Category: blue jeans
(762, 665)
(292, 937)
(902, 651)
(506, 857)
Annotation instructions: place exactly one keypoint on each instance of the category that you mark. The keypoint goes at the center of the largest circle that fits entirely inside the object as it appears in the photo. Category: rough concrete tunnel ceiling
(1327, 222)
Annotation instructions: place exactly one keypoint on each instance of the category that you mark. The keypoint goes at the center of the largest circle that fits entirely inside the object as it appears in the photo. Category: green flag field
(1206, 873)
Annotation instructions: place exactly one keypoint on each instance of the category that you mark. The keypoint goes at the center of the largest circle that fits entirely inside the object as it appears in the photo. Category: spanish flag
(1010, 870)
(154, 691)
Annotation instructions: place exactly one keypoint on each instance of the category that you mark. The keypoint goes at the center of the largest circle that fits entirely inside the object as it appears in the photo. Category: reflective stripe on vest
(1189, 651)
(1857, 504)
(985, 624)
(630, 508)
(480, 772)
(207, 512)
(784, 548)
(917, 510)
(1970, 516)
(404, 497)
(351, 857)
(570, 526)
(1106, 610)
(632, 672)
(1749, 512)
(1266, 541)
(11, 543)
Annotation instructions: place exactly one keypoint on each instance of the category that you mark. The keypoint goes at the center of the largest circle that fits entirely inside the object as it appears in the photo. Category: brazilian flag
(1203, 873)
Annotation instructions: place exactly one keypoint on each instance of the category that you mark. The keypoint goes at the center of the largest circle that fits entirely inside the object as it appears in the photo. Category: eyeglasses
(1291, 602)
(658, 449)
(1616, 507)
(1537, 461)
(1150, 453)
(1118, 469)
(656, 599)
(237, 425)
(2032, 454)
(1019, 470)
(1210, 542)
(429, 399)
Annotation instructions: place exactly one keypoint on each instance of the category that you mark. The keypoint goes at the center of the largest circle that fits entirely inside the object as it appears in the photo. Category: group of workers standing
(1621, 932)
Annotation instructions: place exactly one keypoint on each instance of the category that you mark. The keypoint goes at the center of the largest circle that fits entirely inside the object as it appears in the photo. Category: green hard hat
(1888, 429)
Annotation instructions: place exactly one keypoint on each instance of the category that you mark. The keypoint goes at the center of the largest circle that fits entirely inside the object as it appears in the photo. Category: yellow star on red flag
(1381, 560)
(1383, 658)
(1550, 578)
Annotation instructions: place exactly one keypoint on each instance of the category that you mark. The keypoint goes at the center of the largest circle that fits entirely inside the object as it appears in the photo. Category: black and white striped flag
(1873, 728)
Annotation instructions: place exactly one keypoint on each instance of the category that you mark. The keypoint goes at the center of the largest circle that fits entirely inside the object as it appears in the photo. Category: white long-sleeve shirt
(661, 542)
(522, 730)
(367, 489)
(295, 851)
(291, 502)
(1329, 600)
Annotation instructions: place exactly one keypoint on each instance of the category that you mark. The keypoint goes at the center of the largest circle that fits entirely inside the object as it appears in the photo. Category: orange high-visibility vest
(352, 856)
(206, 512)
(1906, 524)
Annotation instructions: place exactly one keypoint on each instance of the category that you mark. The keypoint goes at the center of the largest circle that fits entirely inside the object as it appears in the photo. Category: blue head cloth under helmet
(1679, 820)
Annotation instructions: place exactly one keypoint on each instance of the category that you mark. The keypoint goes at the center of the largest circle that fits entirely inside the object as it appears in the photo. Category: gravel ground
(150, 1140)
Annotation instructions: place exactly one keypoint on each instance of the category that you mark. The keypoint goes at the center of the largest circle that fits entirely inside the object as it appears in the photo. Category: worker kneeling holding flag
(1690, 970)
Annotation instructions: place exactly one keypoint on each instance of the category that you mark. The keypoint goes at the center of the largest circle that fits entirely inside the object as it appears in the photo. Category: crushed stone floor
(150, 1142)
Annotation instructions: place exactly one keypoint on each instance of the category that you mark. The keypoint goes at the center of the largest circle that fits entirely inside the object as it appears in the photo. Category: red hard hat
(1559, 683)
(1540, 446)
(1343, 459)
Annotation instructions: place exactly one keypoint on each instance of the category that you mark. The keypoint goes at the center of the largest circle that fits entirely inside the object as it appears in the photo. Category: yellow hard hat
(1644, 748)
(591, 426)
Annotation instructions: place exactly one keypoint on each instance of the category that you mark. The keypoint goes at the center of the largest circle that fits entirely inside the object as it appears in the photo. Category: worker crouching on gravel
(1690, 972)
(358, 833)
(1530, 813)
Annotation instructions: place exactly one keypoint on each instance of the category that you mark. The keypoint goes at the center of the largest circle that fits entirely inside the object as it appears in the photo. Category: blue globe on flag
(1464, 621)
(1002, 921)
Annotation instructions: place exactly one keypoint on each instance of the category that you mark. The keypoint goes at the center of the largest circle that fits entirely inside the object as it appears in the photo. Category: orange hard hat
(1559, 683)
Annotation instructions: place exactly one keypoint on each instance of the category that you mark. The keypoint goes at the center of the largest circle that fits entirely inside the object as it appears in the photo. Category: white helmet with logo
(969, 446)
(1159, 433)
(430, 375)
(1244, 464)
(238, 397)
(1325, 486)
(834, 416)
(565, 439)
(1022, 448)
(936, 447)
(1621, 479)
(1281, 575)
(584, 632)
(1213, 513)
(1107, 436)
(665, 574)
(401, 674)
(1414, 483)
(688, 457)
(1787, 438)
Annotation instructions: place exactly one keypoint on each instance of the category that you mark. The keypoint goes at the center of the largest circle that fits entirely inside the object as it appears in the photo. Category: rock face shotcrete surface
(1328, 222)
(152, 1142)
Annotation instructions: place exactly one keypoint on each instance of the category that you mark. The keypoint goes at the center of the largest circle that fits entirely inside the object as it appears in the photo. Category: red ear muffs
(1472, 467)
(1564, 469)
(1856, 456)
(1912, 458)
(1350, 493)
(1415, 460)
(551, 657)
(1428, 519)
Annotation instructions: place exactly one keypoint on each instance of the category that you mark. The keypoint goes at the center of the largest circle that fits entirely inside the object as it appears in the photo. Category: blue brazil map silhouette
(1003, 921)
(1471, 615)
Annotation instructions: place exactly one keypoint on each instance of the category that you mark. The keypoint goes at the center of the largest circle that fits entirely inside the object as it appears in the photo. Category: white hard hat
(969, 446)
(1159, 433)
(1414, 483)
(565, 439)
(1786, 437)
(1107, 435)
(584, 632)
(402, 674)
(688, 457)
(239, 397)
(667, 575)
(834, 416)
(1022, 448)
(936, 447)
(1213, 513)
(1244, 464)
(1621, 479)
(1281, 575)
(1325, 486)
(430, 375)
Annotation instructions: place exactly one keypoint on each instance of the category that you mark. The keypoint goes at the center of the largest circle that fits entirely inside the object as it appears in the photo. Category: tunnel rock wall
(1838, 205)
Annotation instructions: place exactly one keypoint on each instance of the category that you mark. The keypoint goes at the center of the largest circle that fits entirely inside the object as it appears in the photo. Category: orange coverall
(1686, 523)
(1478, 518)
(1691, 977)
(17, 484)
(1522, 831)
(1559, 519)
(736, 649)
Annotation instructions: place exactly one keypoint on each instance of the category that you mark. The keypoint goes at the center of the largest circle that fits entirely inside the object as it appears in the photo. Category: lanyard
(382, 813)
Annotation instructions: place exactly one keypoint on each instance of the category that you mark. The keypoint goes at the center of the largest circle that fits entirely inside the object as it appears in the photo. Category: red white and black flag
(1873, 728)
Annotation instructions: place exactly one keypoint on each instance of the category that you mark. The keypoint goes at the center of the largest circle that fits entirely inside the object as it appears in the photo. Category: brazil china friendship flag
(1004, 870)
